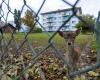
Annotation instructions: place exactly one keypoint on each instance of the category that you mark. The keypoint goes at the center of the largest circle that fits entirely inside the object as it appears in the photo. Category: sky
(88, 6)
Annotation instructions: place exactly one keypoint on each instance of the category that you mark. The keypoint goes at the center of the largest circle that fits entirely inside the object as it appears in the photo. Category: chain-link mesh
(21, 60)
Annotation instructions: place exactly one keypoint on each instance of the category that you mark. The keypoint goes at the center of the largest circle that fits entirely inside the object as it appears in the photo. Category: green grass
(41, 39)
(94, 45)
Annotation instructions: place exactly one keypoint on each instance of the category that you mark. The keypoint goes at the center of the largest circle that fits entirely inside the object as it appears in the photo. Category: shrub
(38, 30)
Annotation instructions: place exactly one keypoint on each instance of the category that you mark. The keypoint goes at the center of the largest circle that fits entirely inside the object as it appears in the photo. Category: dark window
(50, 28)
(73, 21)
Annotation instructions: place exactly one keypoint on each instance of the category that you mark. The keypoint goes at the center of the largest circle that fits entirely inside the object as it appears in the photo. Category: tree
(89, 20)
(28, 19)
(17, 19)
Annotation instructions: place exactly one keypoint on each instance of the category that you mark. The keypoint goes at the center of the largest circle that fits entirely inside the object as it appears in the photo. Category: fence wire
(18, 58)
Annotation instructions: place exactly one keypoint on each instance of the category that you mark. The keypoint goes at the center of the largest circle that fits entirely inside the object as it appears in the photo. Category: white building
(24, 28)
(54, 19)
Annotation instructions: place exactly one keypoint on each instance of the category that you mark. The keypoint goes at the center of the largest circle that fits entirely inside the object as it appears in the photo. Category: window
(99, 19)
(73, 21)
(64, 13)
(50, 28)
(55, 27)
(58, 13)
(62, 29)
(44, 19)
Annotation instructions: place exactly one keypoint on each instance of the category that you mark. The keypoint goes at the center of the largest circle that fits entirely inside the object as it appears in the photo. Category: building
(24, 28)
(54, 19)
(6, 27)
(10, 26)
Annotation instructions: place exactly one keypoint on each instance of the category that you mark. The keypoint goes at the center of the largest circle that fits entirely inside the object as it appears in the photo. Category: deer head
(69, 36)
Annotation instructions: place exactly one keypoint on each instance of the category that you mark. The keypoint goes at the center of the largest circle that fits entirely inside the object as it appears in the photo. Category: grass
(94, 45)
(41, 39)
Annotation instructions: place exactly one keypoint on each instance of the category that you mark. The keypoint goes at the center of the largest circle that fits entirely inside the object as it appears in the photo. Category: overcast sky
(88, 6)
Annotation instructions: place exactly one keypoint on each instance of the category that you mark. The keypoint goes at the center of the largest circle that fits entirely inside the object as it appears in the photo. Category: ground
(48, 66)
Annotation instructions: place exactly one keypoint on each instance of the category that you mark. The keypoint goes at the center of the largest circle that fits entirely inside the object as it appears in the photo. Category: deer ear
(78, 31)
(61, 33)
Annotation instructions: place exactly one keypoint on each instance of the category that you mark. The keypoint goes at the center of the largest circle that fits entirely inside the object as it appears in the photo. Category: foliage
(89, 20)
(92, 73)
(37, 30)
(28, 19)
(17, 19)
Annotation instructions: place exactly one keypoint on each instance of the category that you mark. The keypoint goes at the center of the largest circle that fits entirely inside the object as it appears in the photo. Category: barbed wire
(5, 44)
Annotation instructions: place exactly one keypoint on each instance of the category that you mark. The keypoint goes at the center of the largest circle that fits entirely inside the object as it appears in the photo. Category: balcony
(64, 18)
(66, 26)
(50, 21)
(49, 17)
(50, 28)
(65, 21)
(65, 15)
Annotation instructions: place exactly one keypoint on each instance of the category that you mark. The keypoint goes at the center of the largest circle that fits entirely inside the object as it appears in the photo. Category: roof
(62, 10)
(3, 24)
(12, 23)
(24, 28)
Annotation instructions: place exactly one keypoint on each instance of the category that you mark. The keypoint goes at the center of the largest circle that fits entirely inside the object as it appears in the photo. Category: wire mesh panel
(23, 58)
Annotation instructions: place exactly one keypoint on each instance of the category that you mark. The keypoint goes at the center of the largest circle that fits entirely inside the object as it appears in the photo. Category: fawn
(73, 52)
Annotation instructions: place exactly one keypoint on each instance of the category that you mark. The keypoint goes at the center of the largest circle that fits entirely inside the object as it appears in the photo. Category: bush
(86, 27)
(38, 30)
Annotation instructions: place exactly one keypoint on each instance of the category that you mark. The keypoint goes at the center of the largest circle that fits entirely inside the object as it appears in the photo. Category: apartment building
(54, 19)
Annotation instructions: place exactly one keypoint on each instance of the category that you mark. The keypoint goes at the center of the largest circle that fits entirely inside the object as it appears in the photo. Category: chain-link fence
(20, 60)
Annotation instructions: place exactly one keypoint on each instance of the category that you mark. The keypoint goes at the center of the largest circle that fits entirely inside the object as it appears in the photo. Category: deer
(73, 52)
